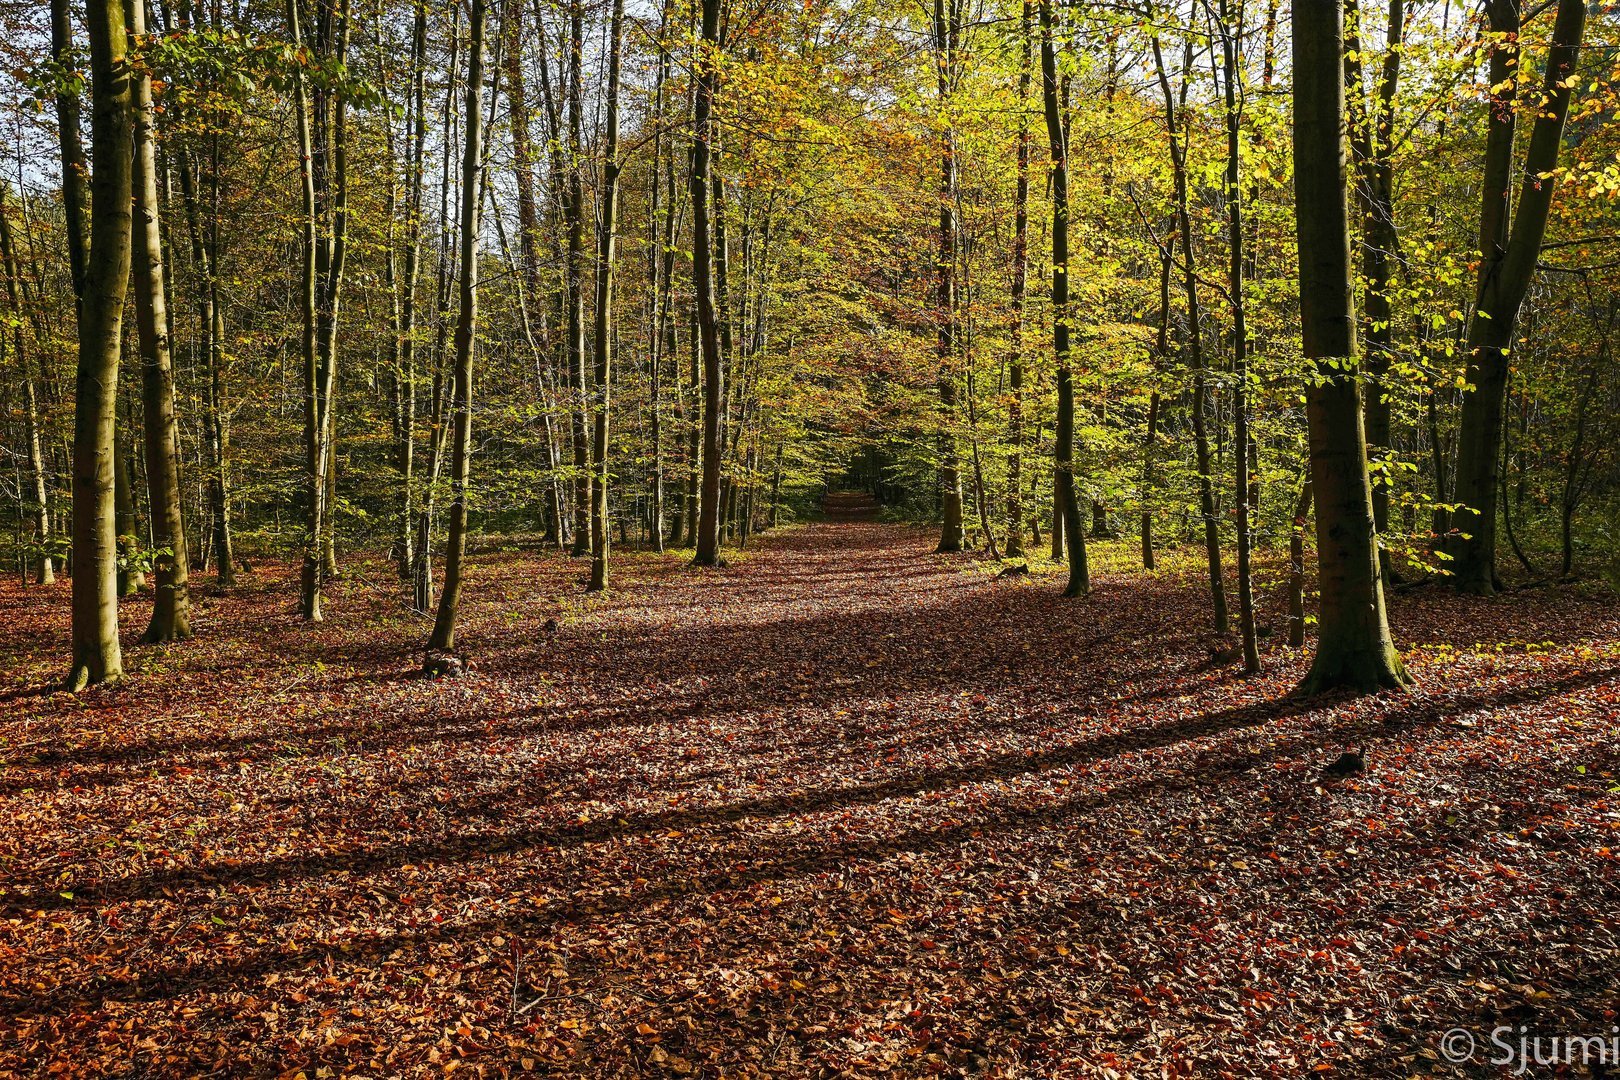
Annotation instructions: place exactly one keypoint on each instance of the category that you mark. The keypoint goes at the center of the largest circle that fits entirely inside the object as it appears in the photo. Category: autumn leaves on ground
(842, 808)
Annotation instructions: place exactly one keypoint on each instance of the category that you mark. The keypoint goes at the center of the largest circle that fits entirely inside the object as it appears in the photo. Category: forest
(809, 538)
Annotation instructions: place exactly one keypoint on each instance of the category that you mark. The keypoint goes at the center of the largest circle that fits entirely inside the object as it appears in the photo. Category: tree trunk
(947, 31)
(1507, 265)
(1063, 451)
(38, 498)
(171, 604)
(130, 578)
(1020, 274)
(1230, 35)
(96, 654)
(1150, 440)
(444, 622)
(605, 258)
(574, 210)
(1296, 565)
(75, 172)
(406, 290)
(1195, 344)
(1370, 141)
(1354, 649)
(210, 332)
(703, 133)
(324, 182)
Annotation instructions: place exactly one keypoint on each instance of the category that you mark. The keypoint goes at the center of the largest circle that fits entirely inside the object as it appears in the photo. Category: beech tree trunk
(444, 622)
(1354, 649)
(574, 211)
(171, 603)
(97, 657)
(1175, 127)
(708, 329)
(1507, 266)
(1020, 274)
(605, 258)
(1079, 582)
(1231, 34)
(1371, 133)
(38, 497)
(947, 30)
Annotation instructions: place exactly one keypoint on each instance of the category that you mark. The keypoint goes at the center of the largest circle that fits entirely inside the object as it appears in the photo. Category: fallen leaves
(839, 809)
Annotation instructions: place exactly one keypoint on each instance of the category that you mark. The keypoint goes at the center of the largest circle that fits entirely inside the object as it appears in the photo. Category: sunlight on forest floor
(839, 808)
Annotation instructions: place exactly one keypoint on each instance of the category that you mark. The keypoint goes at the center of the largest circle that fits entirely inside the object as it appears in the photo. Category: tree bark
(1020, 274)
(171, 604)
(607, 236)
(1370, 141)
(1354, 649)
(75, 174)
(947, 32)
(97, 657)
(708, 330)
(1231, 33)
(1079, 583)
(444, 622)
(38, 476)
(574, 211)
(1195, 345)
(1507, 266)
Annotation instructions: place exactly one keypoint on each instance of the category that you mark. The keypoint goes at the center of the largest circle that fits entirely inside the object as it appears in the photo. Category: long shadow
(1005, 766)
(744, 665)
(185, 979)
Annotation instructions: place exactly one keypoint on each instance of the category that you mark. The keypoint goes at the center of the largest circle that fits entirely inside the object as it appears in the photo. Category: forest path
(844, 806)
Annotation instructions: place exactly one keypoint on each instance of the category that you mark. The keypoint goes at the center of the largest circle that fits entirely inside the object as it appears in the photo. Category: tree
(38, 494)
(472, 164)
(1508, 258)
(605, 258)
(708, 328)
(97, 657)
(171, 604)
(947, 31)
(324, 172)
(1053, 100)
(1354, 649)
(1020, 274)
(1231, 32)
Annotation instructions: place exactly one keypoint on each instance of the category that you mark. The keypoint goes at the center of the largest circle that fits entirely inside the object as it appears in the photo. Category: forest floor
(842, 808)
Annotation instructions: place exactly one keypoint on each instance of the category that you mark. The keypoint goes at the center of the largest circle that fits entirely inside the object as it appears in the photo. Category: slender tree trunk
(1195, 348)
(1079, 583)
(130, 578)
(1507, 267)
(444, 622)
(97, 657)
(1354, 649)
(316, 426)
(1296, 565)
(406, 290)
(703, 134)
(1150, 440)
(947, 31)
(605, 259)
(575, 209)
(210, 332)
(1231, 33)
(75, 173)
(1370, 141)
(1058, 516)
(171, 604)
(38, 473)
(1020, 275)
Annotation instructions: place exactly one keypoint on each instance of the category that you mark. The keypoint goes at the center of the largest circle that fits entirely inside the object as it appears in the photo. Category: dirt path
(842, 808)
